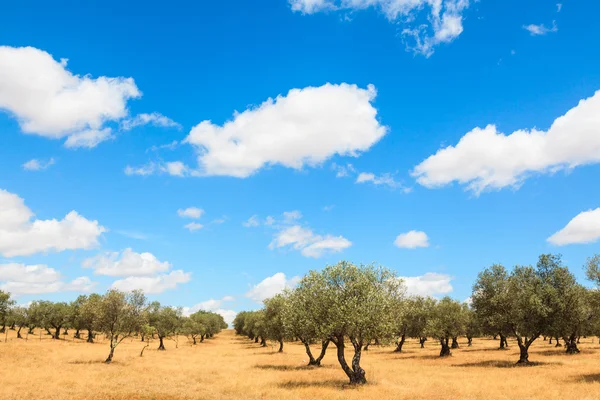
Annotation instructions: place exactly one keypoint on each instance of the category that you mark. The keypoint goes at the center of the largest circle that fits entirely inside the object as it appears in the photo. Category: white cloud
(559, 7)
(303, 128)
(584, 228)
(385, 180)
(539, 30)
(342, 171)
(28, 273)
(487, 159)
(443, 22)
(126, 263)
(144, 170)
(308, 243)
(48, 100)
(412, 240)
(271, 286)
(154, 119)
(175, 168)
(190, 212)
(89, 138)
(22, 236)
(430, 284)
(37, 165)
(252, 222)
(193, 226)
(20, 279)
(153, 285)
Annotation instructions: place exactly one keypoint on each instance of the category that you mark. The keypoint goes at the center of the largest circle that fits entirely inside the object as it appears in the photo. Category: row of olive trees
(116, 314)
(364, 304)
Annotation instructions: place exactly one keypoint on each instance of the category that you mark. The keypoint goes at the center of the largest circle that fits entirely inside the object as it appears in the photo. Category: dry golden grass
(229, 367)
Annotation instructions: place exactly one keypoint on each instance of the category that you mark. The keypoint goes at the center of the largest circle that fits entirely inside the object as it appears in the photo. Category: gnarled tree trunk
(57, 334)
(571, 344)
(422, 342)
(161, 345)
(90, 336)
(469, 340)
(524, 348)
(21, 337)
(445, 351)
(280, 346)
(356, 374)
(503, 342)
(77, 335)
(311, 359)
(455, 343)
(400, 343)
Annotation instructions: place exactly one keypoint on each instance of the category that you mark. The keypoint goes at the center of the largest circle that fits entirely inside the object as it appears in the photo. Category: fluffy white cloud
(430, 284)
(584, 228)
(126, 263)
(271, 286)
(487, 159)
(22, 236)
(50, 101)
(443, 23)
(154, 284)
(37, 165)
(190, 212)
(193, 226)
(19, 279)
(305, 127)
(412, 240)
(307, 242)
(154, 119)
(538, 30)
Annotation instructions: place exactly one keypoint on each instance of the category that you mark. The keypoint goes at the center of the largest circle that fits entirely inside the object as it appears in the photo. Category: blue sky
(165, 107)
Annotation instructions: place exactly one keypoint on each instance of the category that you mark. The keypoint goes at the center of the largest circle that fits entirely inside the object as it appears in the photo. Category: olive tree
(5, 304)
(447, 322)
(89, 315)
(120, 315)
(165, 321)
(491, 303)
(18, 316)
(357, 303)
(301, 316)
(273, 312)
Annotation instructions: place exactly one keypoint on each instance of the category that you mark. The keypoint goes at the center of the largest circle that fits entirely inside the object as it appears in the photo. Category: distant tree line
(359, 305)
(116, 314)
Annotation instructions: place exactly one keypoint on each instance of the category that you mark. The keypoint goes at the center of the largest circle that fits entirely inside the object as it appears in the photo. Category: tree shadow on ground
(504, 364)
(495, 349)
(334, 384)
(89, 362)
(588, 378)
(290, 367)
(399, 356)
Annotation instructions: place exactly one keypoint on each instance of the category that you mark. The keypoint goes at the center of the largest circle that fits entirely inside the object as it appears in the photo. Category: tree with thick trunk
(503, 343)
(342, 302)
(445, 350)
(455, 344)
(446, 323)
(422, 341)
(355, 373)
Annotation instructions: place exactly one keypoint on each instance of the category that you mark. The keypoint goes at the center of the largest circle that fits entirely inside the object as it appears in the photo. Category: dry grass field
(229, 367)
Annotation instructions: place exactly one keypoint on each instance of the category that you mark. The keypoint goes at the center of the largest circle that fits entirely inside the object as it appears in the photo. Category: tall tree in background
(274, 328)
(447, 322)
(490, 301)
(166, 321)
(5, 304)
